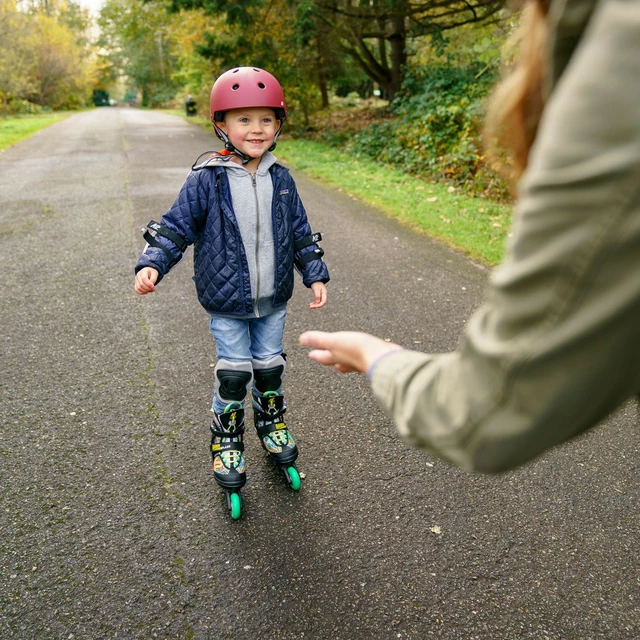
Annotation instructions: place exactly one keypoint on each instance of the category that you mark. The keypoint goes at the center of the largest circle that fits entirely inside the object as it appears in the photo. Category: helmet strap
(275, 138)
(228, 146)
(236, 152)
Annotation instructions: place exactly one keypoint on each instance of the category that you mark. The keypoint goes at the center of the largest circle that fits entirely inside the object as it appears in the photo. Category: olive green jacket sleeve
(556, 346)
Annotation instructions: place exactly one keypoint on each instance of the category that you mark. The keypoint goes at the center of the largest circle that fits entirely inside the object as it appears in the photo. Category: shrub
(436, 129)
(18, 107)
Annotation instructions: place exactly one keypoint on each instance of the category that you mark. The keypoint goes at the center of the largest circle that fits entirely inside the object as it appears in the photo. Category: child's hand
(146, 280)
(320, 292)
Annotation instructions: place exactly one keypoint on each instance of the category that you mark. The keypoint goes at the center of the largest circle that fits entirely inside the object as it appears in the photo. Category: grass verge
(476, 227)
(13, 130)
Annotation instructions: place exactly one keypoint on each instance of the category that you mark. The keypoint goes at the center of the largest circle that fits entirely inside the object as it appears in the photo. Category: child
(241, 211)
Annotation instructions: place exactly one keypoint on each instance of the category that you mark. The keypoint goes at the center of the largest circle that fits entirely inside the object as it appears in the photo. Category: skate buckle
(271, 407)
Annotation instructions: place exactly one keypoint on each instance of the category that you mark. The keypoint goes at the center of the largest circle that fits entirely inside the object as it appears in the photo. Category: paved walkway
(110, 523)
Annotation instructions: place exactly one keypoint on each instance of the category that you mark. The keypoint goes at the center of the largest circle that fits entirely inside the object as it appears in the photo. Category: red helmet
(246, 87)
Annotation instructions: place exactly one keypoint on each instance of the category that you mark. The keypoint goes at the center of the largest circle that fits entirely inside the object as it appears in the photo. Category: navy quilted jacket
(203, 216)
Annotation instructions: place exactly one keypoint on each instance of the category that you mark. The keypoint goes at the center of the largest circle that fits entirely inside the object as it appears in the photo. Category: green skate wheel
(235, 505)
(294, 478)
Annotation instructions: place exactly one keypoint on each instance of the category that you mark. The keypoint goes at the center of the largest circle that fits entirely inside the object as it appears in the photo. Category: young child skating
(241, 211)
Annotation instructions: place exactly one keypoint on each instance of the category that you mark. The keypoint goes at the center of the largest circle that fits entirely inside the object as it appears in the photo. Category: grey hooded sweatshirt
(251, 197)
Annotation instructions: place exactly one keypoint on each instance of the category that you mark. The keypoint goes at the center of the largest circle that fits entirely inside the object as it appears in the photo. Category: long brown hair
(517, 103)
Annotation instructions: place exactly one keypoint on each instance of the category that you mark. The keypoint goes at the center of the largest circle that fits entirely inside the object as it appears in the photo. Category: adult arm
(556, 347)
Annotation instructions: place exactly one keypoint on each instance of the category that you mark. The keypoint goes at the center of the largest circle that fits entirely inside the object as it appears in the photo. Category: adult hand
(146, 280)
(346, 351)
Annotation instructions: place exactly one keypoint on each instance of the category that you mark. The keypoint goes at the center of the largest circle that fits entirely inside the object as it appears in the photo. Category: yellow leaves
(43, 60)
(189, 28)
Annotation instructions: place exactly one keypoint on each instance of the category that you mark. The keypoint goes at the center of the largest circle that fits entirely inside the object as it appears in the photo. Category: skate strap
(220, 433)
(232, 421)
(271, 406)
(271, 427)
(227, 445)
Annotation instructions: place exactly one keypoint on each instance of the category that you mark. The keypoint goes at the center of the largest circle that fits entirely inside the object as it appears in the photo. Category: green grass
(13, 130)
(476, 227)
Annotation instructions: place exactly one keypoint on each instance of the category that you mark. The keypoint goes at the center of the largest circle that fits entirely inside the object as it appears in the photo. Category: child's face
(251, 130)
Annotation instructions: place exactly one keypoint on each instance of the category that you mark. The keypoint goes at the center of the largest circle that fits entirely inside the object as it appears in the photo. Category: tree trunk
(398, 54)
(322, 76)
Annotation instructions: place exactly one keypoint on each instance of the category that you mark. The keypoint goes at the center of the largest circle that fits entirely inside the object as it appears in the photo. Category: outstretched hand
(346, 351)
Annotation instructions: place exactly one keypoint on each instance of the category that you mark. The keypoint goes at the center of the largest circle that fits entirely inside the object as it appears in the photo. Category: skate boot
(227, 430)
(268, 410)
(227, 446)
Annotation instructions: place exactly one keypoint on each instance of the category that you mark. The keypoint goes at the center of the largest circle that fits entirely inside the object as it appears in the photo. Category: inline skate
(227, 447)
(268, 409)
(227, 430)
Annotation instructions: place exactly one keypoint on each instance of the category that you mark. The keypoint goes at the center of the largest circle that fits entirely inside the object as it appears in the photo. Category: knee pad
(232, 380)
(268, 374)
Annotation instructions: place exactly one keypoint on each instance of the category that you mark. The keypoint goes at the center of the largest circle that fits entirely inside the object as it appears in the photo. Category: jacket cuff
(375, 363)
(385, 372)
(144, 261)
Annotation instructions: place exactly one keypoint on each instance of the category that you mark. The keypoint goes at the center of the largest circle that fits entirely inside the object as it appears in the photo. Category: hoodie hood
(224, 159)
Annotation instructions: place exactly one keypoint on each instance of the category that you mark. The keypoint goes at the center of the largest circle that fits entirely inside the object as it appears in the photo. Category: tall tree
(288, 37)
(375, 33)
(45, 55)
(61, 74)
(138, 40)
(15, 62)
(262, 34)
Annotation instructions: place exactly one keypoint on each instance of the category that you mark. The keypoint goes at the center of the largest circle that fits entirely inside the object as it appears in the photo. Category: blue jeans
(244, 340)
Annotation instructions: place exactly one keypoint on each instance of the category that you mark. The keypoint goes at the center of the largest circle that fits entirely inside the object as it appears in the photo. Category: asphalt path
(111, 525)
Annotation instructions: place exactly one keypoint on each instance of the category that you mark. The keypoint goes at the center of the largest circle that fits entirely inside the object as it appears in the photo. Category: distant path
(110, 523)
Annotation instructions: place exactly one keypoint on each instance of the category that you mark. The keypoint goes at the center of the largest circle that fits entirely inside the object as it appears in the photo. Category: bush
(18, 107)
(436, 129)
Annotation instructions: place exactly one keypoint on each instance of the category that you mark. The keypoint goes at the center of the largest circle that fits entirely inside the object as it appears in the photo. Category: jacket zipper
(255, 194)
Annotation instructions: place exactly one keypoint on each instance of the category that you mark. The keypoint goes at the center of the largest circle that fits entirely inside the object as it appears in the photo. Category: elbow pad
(307, 241)
(154, 230)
